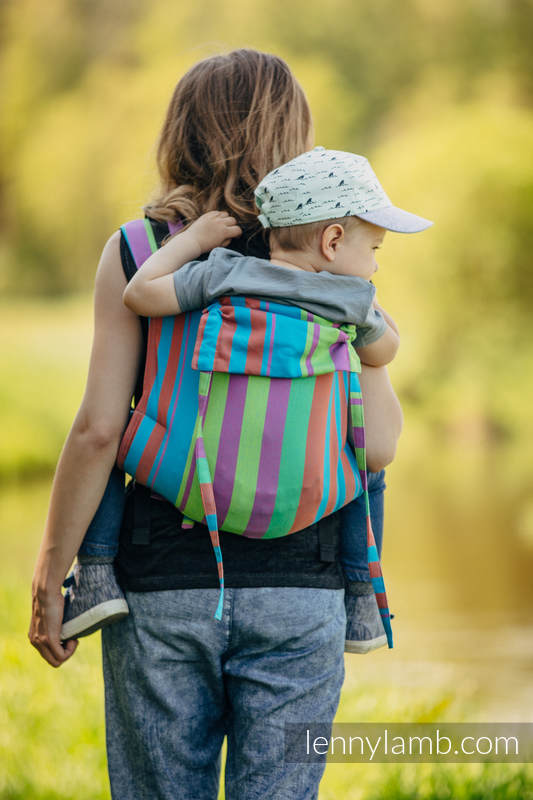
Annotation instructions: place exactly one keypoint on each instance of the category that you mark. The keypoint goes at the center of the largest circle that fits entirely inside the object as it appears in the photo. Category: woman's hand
(213, 229)
(45, 627)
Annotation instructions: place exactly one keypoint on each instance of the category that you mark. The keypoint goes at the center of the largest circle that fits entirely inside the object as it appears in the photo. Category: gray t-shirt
(339, 298)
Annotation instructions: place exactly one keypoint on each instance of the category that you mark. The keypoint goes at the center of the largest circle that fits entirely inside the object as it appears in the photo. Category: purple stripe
(359, 436)
(138, 241)
(316, 336)
(228, 450)
(200, 448)
(356, 401)
(202, 405)
(174, 227)
(269, 462)
(338, 352)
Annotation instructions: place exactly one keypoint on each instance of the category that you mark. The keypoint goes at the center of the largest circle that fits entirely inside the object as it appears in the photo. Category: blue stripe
(138, 444)
(372, 553)
(239, 349)
(211, 521)
(266, 348)
(170, 322)
(170, 474)
(289, 342)
(378, 584)
(206, 355)
(124, 233)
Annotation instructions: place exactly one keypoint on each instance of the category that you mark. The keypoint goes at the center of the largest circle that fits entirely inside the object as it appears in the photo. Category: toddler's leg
(364, 628)
(93, 597)
(101, 540)
(353, 528)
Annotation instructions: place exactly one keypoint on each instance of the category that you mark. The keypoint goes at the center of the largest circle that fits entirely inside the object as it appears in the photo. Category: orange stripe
(199, 339)
(127, 438)
(155, 439)
(154, 335)
(375, 569)
(256, 343)
(147, 459)
(313, 479)
(225, 340)
(253, 302)
(150, 370)
(171, 369)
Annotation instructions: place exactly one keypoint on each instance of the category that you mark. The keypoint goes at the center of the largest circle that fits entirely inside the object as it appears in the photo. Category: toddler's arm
(383, 417)
(150, 293)
(383, 350)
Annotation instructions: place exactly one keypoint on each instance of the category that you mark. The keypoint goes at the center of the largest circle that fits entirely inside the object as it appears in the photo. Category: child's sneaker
(364, 627)
(93, 599)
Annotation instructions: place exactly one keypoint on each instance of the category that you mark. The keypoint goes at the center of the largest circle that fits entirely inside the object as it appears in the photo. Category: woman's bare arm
(89, 451)
(383, 417)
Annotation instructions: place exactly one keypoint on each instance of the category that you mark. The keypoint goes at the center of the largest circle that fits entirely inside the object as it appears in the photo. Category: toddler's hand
(214, 229)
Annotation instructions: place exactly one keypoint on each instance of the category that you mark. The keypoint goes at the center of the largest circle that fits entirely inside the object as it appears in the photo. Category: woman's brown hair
(232, 118)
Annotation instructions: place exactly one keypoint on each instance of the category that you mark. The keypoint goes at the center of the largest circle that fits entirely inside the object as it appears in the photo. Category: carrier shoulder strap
(139, 239)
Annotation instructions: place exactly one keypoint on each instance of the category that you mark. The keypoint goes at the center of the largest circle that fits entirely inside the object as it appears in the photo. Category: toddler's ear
(331, 238)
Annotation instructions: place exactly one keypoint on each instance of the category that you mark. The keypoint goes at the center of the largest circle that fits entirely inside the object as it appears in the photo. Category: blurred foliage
(438, 95)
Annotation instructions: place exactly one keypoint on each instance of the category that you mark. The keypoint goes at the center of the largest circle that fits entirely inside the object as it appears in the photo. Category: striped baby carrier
(244, 416)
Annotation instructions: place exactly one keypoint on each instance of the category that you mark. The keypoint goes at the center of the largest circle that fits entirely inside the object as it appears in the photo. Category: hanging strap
(206, 482)
(374, 566)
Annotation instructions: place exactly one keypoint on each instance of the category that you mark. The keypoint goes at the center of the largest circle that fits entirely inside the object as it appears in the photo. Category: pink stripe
(271, 447)
(228, 450)
(316, 336)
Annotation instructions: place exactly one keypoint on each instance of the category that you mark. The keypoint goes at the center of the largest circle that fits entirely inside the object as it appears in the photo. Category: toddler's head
(327, 211)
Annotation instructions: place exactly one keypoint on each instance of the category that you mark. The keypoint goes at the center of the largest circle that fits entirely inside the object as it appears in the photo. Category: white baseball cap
(327, 184)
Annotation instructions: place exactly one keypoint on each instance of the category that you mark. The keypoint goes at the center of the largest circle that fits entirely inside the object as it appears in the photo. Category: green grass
(43, 361)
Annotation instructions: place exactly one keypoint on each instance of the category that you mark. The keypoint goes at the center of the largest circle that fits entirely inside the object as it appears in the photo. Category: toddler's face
(357, 256)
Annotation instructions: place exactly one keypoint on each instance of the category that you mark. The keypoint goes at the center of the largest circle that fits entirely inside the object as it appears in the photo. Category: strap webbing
(374, 566)
(206, 482)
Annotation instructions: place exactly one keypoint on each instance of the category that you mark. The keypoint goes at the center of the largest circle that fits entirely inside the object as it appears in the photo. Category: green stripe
(308, 343)
(242, 499)
(150, 234)
(215, 417)
(293, 454)
(212, 426)
(321, 359)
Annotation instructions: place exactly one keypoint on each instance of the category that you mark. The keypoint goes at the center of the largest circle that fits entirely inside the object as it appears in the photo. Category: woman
(277, 655)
